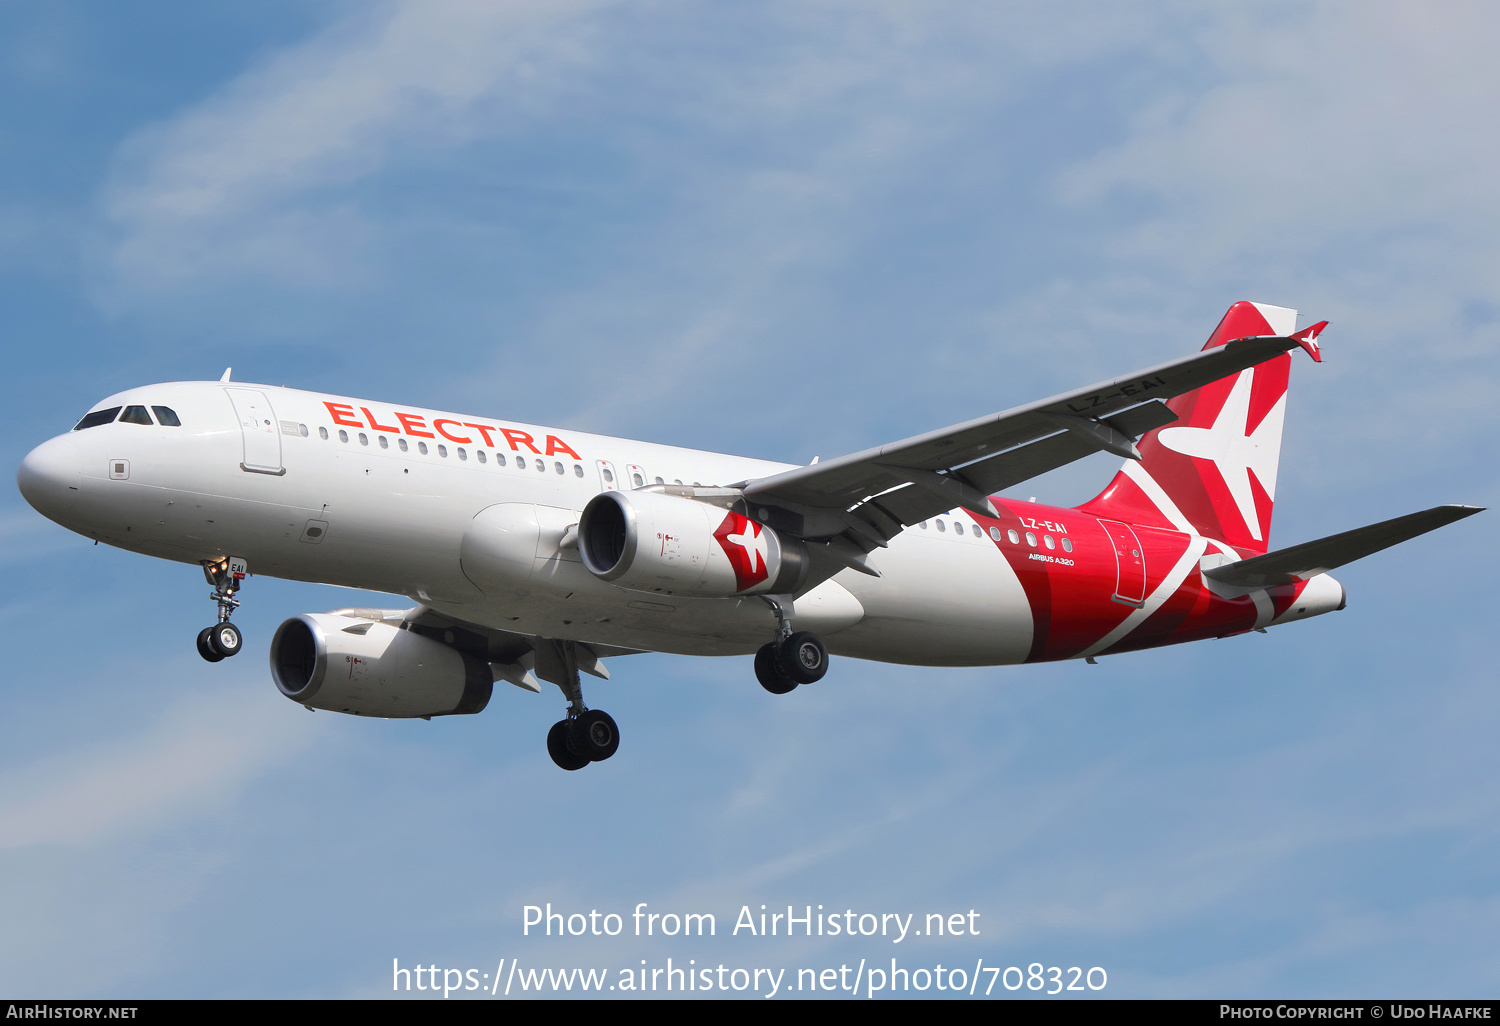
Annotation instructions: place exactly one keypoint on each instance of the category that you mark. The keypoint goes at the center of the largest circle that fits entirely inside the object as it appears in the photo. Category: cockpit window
(167, 418)
(135, 415)
(96, 418)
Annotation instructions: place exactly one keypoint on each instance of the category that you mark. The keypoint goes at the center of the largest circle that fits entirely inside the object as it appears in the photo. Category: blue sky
(781, 230)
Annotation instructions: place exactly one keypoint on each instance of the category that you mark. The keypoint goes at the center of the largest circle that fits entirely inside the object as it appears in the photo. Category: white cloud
(1329, 158)
(1334, 143)
(770, 121)
(216, 189)
(193, 759)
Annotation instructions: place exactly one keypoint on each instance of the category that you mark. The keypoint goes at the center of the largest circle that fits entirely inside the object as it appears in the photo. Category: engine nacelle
(647, 541)
(370, 668)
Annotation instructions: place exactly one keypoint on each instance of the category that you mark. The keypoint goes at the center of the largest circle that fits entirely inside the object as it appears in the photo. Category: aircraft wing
(517, 658)
(868, 497)
(1300, 562)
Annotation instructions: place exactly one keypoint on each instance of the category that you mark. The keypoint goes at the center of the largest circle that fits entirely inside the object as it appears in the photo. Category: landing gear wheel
(557, 747)
(769, 674)
(205, 647)
(803, 658)
(593, 736)
(225, 639)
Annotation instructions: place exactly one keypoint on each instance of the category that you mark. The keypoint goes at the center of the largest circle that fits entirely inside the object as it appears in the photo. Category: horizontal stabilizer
(1301, 562)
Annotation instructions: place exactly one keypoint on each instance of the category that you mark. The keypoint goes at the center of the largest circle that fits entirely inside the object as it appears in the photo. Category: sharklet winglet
(1307, 339)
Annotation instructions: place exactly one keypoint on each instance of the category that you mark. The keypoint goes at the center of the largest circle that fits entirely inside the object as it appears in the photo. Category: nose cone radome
(49, 477)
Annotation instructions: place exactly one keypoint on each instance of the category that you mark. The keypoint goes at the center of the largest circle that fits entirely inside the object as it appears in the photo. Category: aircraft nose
(49, 476)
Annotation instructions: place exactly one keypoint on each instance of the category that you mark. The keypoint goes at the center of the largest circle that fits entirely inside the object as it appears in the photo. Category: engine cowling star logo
(744, 543)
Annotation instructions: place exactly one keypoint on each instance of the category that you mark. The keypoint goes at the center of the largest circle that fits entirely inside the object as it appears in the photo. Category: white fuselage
(330, 489)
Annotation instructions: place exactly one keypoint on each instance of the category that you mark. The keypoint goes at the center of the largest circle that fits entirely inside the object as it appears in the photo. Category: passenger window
(1031, 539)
(995, 533)
(1047, 541)
(401, 444)
(608, 477)
(323, 433)
(520, 462)
(343, 435)
(559, 467)
(499, 459)
(924, 525)
(578, 470)
(541, 466)
(1015, 539)
(135, 415)
(940, 526)
(166, 418)
(1067, 545)
(462, 454)
(660, 481)
(637, 479)
(97, 417)
(479, 455)
(384, 443)
(301, 428)
(422, 448)
(443, 451)
(958, 528)
(364, 439)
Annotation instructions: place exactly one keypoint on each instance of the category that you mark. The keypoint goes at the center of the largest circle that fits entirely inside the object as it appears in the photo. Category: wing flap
(494, 644)
(846, 479)
(1122, 405)
(1025, 462)
(872, 495)
(1301, 562)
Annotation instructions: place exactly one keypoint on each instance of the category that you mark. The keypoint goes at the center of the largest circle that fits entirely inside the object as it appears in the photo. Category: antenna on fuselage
(226, 373)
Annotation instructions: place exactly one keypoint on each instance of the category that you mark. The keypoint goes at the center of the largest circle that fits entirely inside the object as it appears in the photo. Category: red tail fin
(1213, 471)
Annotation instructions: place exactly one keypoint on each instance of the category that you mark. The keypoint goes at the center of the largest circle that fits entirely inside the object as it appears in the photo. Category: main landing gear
(223, 639)
(585, 735)
(590, 736)
(794, 658)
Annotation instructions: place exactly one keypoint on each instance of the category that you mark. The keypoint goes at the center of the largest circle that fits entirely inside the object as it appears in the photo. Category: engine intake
(370, 668)
(647, 541)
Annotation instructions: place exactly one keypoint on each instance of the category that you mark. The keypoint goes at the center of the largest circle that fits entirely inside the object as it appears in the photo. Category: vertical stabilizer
(1213, 471)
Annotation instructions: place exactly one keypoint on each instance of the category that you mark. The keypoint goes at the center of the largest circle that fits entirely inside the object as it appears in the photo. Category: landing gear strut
(585, 735)
(223, 639)
(794, 658)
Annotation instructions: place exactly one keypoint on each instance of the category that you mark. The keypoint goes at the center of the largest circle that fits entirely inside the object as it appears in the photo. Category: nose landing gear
(794, 658)
(214, 643)
(223, 639)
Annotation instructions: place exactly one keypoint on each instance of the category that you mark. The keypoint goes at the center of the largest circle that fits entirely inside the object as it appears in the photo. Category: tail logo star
(1235, 450)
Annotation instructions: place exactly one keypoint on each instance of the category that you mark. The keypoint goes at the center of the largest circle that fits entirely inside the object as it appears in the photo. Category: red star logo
(744, 542)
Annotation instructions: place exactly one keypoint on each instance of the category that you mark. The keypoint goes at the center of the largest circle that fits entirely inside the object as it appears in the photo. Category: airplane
(535, 553)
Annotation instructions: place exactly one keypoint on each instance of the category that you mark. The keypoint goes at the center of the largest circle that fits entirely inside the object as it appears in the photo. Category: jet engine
(371, 668)
(648, 541)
